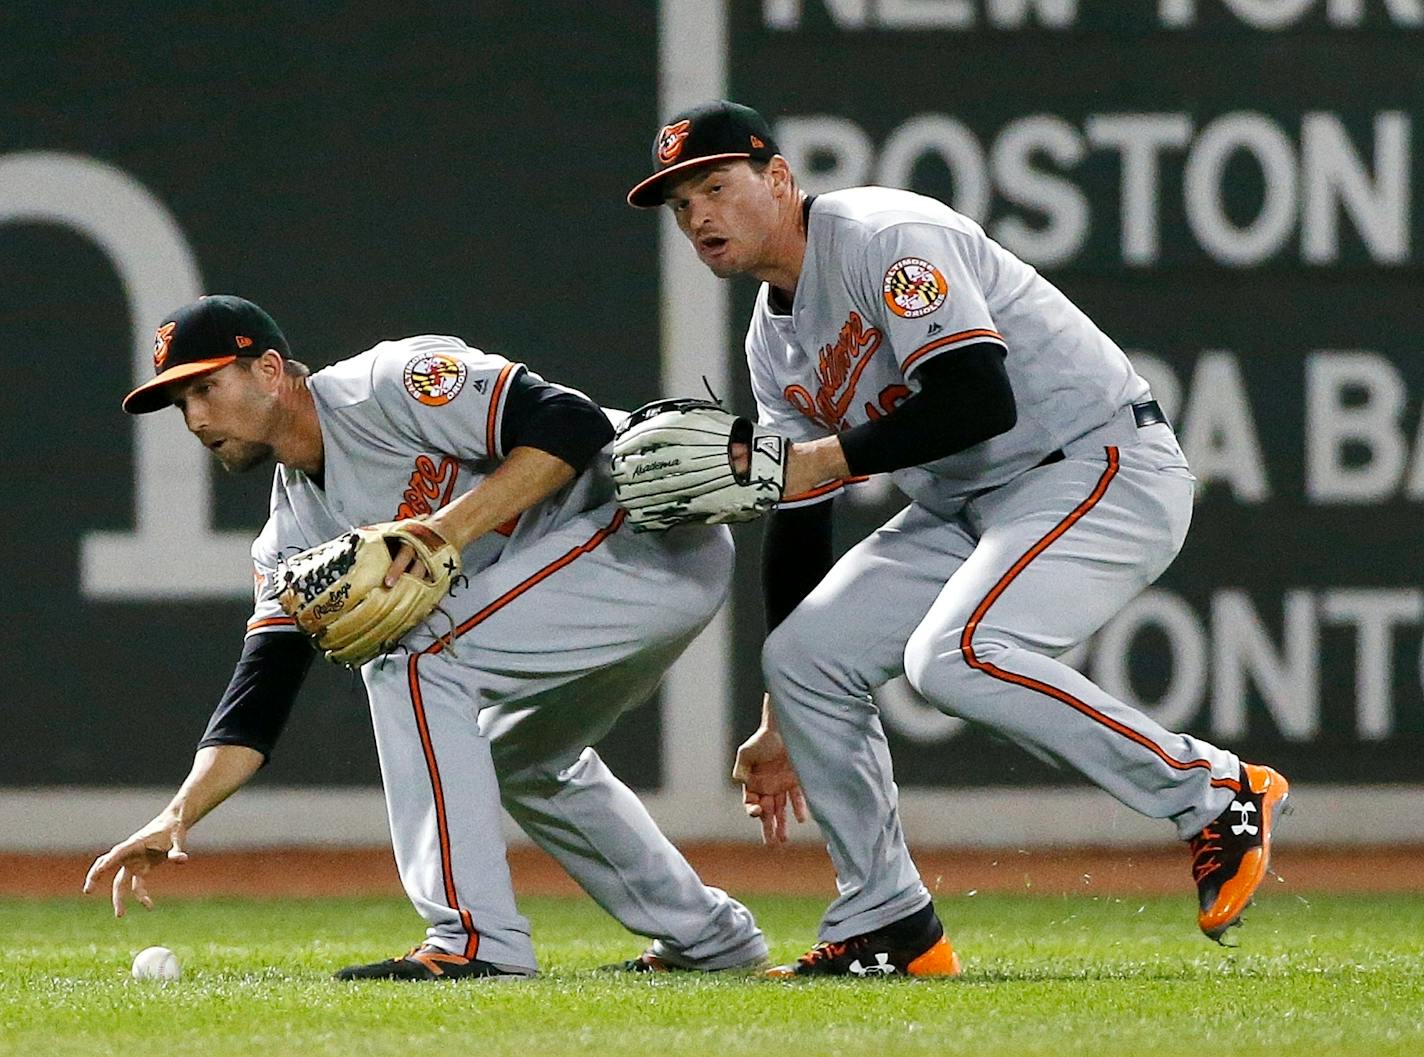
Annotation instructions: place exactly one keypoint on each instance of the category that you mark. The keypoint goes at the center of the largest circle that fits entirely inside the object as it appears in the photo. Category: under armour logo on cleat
(1244, 826)
(882, 966)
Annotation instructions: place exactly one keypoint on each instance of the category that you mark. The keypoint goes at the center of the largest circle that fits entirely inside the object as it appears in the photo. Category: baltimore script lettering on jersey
(425, 484)
(838, 370)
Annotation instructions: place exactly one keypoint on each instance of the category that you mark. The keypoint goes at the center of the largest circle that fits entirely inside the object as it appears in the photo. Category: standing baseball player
(559, 620)
(1047, 489)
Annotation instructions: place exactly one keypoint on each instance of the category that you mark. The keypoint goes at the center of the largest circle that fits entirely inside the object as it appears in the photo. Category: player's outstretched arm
(218, 771)
(768, 780)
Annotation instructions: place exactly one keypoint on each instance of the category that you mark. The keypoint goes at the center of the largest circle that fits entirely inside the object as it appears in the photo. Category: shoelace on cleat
(416, 950)
(1203, 850)
(826, 951)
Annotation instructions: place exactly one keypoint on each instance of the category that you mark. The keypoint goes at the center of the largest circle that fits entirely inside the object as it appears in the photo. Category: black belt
(1147, 413)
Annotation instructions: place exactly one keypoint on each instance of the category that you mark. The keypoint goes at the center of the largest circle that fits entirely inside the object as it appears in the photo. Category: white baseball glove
(672, 465)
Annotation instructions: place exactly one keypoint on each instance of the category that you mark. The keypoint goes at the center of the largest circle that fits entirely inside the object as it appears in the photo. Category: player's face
(230, 413)
(729, 212)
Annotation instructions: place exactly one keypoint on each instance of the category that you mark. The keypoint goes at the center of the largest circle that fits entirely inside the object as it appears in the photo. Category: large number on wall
(173, 552)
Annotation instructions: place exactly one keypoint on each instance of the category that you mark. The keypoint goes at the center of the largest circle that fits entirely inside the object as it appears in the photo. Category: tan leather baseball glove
(337, 593)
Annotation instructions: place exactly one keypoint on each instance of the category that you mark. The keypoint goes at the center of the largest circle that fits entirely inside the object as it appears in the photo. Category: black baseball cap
(706, 134)
(203, 337)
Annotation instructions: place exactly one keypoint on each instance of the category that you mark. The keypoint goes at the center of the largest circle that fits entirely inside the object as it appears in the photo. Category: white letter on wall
(1336, 177)
(1289, 681)
(173, 552)
(1332, 422)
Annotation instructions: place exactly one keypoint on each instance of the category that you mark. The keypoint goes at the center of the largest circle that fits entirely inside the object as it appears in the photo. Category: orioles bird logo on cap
(670, 141)
(162, 338)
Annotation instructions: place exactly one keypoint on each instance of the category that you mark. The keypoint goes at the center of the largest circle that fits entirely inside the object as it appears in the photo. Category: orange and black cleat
(1230, 856)
(427, 963)
(913, 946)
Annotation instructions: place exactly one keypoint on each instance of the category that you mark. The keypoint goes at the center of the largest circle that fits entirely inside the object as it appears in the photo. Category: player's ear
(269, 368)
(778, 171)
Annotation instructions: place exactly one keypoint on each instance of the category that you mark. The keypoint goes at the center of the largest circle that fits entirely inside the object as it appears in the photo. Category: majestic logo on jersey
(914, 287)
(670, 141)
(162, 338)
(435, 379)
(838, 369)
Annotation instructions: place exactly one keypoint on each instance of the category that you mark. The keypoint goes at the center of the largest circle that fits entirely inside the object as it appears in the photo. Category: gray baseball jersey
(1011, 552)
(563, 620)
(407, 427)
(891, 280)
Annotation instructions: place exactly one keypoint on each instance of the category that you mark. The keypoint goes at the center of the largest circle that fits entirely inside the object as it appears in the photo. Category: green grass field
(1326, 975)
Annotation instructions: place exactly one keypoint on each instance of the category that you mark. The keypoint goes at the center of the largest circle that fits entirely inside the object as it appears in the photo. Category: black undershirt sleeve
(259, 697)
(562, 422)
(795, 557)
(965, 399)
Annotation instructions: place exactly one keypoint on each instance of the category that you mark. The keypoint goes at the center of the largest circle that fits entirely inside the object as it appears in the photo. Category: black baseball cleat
(913, 946)
(1230, 856)
(651, 962)
(427, 963)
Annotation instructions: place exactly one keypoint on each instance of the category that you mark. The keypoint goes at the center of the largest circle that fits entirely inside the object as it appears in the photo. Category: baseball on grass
(156, 963)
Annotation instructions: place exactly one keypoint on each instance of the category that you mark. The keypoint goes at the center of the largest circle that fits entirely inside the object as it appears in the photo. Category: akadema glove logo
(434, 379)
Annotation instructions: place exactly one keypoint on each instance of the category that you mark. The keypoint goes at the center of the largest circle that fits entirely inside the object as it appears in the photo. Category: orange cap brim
(151, 397)
(641, 198)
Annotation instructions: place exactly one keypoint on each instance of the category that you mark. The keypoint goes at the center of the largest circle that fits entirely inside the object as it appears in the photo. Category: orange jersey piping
(947, 340)
(472, 945)
(966, 639)
(492, 423)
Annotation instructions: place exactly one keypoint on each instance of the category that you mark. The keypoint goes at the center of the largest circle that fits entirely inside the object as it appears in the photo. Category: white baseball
(156, 963)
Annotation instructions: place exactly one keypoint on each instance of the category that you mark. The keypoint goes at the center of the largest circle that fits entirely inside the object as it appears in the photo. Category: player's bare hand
(405, 561)
(162, 840)
(769, 783)
(740, 456)
(447, 527)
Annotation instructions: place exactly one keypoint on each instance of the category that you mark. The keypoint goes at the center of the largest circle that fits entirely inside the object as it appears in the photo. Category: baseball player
(562, 620)
(1047, 489)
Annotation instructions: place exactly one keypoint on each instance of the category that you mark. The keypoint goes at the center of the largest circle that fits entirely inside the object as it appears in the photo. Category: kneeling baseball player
(1047, 489)
(444, 519)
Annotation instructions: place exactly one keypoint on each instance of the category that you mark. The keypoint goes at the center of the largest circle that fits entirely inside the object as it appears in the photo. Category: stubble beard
(727, 267)
(239, 456)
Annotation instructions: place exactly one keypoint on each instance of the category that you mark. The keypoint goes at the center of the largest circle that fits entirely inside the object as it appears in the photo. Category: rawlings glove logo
(337, 594)
(335, 603)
